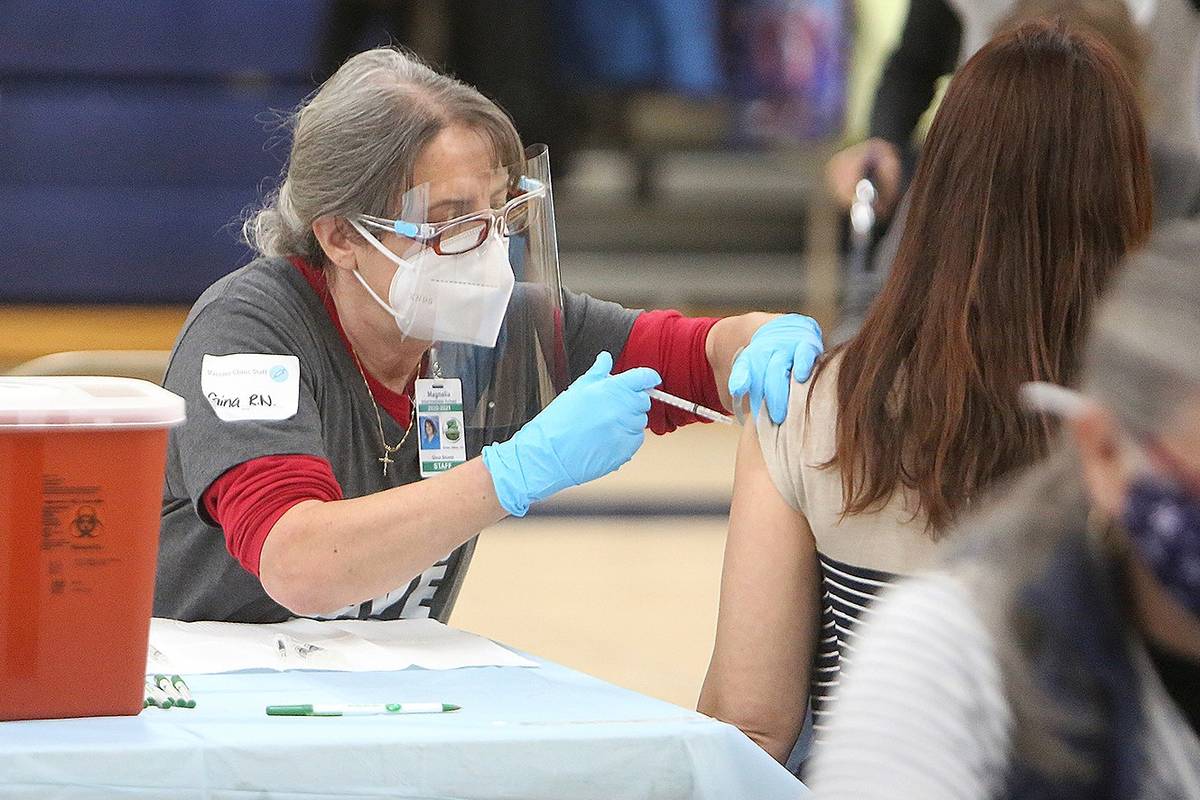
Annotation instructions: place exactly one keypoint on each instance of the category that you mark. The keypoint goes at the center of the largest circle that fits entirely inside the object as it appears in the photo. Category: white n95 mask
(453, 298)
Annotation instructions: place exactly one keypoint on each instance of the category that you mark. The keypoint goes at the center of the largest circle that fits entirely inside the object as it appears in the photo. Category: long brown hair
(1033, 183)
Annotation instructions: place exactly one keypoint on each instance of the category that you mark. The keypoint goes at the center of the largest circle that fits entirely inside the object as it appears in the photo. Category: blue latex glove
(784, 348)
(589, 430)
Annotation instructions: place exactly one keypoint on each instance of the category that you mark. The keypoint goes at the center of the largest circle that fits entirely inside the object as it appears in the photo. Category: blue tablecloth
(523, 733)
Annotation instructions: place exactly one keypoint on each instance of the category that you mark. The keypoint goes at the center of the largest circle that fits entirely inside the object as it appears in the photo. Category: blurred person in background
(1057, 652)
(928, 49)
(1156, 40)
(937, 33)
(506, 50)
(412, 237)
(1035, 184)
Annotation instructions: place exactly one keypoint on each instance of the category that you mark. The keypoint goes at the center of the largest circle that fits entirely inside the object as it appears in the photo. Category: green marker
(359, 709)
(181, 688)
(164, 683)
(158, 697)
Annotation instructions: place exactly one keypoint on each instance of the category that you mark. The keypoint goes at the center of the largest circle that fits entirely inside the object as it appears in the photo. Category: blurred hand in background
(878, 157)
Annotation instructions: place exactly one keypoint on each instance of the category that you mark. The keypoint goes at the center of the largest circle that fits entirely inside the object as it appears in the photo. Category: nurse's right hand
(588, 431)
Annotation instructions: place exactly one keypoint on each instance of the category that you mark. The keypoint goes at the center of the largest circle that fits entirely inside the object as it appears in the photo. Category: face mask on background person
(448, 298)
(1161, 507)
(1162, 520)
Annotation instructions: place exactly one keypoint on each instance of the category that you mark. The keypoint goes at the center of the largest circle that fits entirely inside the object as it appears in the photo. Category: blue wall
(134, 134)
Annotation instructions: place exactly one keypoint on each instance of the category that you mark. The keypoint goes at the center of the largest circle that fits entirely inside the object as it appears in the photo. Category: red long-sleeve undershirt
(247, 500)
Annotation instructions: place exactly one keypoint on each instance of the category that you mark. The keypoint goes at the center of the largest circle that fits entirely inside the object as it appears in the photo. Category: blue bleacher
(134, 134)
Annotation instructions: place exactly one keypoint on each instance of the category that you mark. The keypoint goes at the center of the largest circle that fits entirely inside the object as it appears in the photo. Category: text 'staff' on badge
(251, 386)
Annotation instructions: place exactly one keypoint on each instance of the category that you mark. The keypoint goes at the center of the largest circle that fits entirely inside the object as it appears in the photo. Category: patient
(1033, 184)
(1058, 653)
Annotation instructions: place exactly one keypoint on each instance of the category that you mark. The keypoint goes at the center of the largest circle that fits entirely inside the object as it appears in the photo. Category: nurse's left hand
(781, 350)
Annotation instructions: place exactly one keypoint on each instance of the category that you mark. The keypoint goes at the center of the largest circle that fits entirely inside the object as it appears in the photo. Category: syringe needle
(693, 408)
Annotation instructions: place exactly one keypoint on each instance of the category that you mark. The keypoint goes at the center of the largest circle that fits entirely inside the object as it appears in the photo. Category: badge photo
(440, 443)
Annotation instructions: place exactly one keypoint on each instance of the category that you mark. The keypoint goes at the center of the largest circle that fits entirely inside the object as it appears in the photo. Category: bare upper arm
(758, 677)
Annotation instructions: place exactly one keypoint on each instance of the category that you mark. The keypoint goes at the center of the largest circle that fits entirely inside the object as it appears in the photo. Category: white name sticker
(441, 435)
(250, 386)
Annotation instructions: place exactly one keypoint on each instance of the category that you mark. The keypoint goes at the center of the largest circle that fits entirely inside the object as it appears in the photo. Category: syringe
(689, 406)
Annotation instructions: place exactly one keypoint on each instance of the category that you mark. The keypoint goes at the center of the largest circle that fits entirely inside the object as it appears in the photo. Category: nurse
(408, 270)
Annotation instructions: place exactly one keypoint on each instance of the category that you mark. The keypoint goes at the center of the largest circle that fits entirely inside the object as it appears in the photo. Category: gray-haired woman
(1058, 654)
(408, 263)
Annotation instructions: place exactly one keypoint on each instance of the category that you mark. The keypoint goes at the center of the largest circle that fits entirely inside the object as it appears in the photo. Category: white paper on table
(190, 648)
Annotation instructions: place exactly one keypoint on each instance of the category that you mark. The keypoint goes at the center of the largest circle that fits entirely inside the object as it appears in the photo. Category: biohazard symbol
(86, 523)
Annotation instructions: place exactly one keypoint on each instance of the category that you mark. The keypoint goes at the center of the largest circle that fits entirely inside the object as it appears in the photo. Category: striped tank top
(847, 593)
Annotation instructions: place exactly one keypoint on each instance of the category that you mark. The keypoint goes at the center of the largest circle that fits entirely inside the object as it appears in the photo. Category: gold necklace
(388, 449)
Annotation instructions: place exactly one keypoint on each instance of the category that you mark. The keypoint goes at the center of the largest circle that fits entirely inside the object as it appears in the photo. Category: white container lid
(86, 402)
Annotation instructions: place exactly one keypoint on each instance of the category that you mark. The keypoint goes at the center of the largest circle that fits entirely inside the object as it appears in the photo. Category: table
(547, 733)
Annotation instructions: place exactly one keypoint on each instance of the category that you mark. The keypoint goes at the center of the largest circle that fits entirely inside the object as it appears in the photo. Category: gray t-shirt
(268, 307)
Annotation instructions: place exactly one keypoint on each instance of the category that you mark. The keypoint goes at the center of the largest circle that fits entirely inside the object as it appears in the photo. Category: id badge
(441, 435)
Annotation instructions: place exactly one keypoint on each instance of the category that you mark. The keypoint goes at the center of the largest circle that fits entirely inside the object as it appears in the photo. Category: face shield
(476, 276)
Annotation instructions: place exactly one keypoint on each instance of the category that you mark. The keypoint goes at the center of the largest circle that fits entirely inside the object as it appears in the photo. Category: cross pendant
(385, 460)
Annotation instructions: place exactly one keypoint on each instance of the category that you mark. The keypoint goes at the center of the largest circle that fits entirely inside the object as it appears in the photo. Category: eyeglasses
(465, 233)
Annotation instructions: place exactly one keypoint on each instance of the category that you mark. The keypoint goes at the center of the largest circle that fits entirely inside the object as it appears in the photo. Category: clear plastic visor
(458, 214)
(456, 235)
